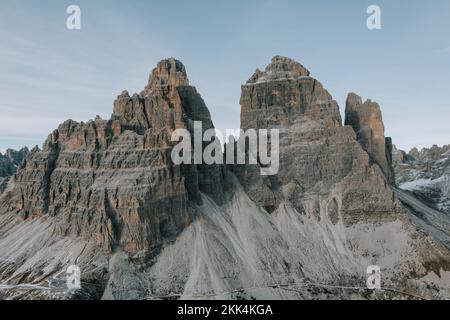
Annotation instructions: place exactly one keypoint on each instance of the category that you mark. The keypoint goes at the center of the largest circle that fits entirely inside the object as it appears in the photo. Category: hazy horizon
(49, 74)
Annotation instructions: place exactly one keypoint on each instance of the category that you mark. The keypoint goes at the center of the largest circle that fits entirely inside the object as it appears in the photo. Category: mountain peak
(168, 72)
(280, 68)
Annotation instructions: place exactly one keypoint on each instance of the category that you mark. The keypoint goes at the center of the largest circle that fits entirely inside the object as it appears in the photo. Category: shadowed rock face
(112, 181)
(9, 162)
(366, 119)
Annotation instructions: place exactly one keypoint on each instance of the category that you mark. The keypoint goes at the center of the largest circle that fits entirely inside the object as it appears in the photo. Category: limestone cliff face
(9, 162)
(367, 121)
(323, 168)
(112, 181)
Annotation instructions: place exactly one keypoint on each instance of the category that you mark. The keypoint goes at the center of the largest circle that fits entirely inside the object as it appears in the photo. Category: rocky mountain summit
(106, 196)
(423, 187)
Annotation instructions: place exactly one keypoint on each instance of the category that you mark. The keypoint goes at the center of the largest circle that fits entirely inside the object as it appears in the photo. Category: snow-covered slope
(105, 196)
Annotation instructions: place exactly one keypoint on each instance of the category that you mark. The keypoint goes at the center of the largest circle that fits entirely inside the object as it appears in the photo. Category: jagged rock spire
(367, 121)
(285, 93)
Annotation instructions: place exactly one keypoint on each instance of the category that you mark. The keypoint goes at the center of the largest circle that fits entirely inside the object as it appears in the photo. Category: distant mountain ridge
(105, 196)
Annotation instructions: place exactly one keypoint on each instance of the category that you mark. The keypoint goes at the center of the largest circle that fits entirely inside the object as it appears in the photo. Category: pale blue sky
(49, 74)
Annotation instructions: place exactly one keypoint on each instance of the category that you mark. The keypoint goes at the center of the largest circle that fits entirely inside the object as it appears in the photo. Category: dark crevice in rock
(47, 179)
